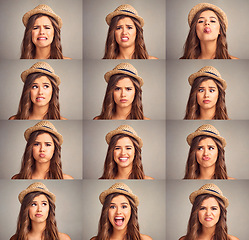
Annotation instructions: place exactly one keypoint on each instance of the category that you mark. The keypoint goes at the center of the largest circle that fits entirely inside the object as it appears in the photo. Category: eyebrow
(208, 87)
(125, 145)
(42, 83)
(209, 17)
(40, 142)
(207, 145)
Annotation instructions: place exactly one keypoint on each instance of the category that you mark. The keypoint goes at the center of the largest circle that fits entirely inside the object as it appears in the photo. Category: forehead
(208, 14)
(44, 137)
(207, 141)
(211, 201)
(208, 83)
(120, 199)
(42, 79)
(125, 21)
(124, 141)
(43, 20)
(125, 82)
(40, 198)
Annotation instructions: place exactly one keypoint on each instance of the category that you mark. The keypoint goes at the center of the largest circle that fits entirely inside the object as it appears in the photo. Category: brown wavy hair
(28, 164)
(28, 48)
(112, 47)
(109, 105)
(193, 108)
(105, 228)
(195, 227)
(192, 47)
(24, 222)
(111, 167)
(26, 106)
(192, 170)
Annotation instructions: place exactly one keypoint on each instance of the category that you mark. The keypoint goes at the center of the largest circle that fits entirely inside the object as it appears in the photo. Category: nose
(205, 151)
(40, 90)
(41, 30)
(118, 210)
(123, 151)
(208, 212)
(206, 93)
(42, 149)
(123, 93)
(39, 208)
(207, 22)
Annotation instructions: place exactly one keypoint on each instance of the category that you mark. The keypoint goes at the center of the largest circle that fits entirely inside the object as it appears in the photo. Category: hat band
(48, 127)
(44, 69)
(211, 190)
(122, 69)
(211, 73)
(122, 189)
(209, 132)
(128, 131)
(40, 188)
(128, 11)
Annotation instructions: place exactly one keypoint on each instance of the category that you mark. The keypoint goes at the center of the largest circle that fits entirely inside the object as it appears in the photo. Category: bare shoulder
(149, 178)
(93, 238)
(66, 57)
(145, 118)
(151, 57)
(232, 57)
(62, 118)
(66, 176)
(231, 178)
(12, 117)
(233, 237)
(96, 118)
(145, 237)
(182, 238)
(15, 176)
(63, 236)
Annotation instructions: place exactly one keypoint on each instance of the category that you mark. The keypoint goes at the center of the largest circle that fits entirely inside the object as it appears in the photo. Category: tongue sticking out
(207, 30)
(119, 222)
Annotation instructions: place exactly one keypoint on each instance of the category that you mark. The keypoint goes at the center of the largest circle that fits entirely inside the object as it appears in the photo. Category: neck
(207, 233)
(208, 49)
(38, 112)
(122, 113)
(42, 53)
(207, 173)
(118, 234)
(41, 170)
(126, 53)
(207, 114)
(37, 229)
(124, 173)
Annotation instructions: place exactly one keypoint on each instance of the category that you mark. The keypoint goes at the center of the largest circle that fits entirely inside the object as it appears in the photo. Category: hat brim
(193, 76)
(32, 12)
(35, 70)
(117, 71)
(107, 192)
(193, 196)
(111, 15)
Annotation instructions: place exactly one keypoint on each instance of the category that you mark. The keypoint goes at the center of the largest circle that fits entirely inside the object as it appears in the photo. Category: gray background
(154, 88)
(12, 28)
(178, 28)
(12, 146)
(151, 209)
(236, 150)
(235, 73)
(153, 150)
(71, 93)
(96, 28)
(179, 207)
(68, 202)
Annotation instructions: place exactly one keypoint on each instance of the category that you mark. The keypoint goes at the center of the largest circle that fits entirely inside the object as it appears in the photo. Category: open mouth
(124, 39)
(123, 159)
(119, 221)
(39, 99)
(41, 38)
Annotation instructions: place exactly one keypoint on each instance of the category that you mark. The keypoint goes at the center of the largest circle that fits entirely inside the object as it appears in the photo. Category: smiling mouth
(39, 99)
(119, 221)
(123, 159)
(41, 38)
(124, 39)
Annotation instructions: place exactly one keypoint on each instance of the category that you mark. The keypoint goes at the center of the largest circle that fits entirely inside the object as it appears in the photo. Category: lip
(123, 100)
(42, 38)
(42, 155)
(119, 221)
(206, 101)
(38, 215)
(205, 158)
(38, 99)
(124, 39)
(207, 30)
(123, 159)
(208, 219)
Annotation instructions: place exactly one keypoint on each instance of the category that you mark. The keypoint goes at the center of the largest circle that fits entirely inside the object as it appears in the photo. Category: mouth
(205, 158)
(207, 30)
(123, 100)
(42, 38)
(119, 221)
(206, 101)
(208, 219)
(38, 99)
(38, 215)
(123, 159)
(124, 39)
(42, 155)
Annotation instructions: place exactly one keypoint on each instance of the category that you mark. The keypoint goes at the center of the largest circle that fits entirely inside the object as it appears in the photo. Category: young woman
(208, 215)
(206, 157)
(125, 35)
(207, 95)
(123, 97)
(119, 217)
(42, 39)
(37, 215)
(42, 155)
(207, 34)
(40, 94)
(123, 159)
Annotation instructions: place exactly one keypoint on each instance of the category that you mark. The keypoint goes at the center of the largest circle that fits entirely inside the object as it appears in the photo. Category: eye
(47, 27)
(36, 144)
(116, 148)
(200, 148)
(202, 208)
(34, 86)
(213, 21)
(211, 90)
(128, 148)
(112, 207)
(118, 28)
(124, 206)
(211, 148)
(48, 144)
(33, 204)
(214, 208)
(46, 86)
(129, 27)
(200, 21)
(35, 27)
(200, 90)
(44, 204)
(128, 88)
(117, 88)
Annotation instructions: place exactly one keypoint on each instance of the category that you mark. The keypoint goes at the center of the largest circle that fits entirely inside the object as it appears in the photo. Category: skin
(207, 97)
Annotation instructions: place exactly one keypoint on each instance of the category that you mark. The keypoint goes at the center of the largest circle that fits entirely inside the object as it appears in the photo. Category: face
(124, 152)
(207, 153)
(125, 33)
(41, 92)
(209, 212)
(119, 212)
(43, 148)
(207, 95)
(208, 26)
(39, 209)
(124, 93)
(42, 32)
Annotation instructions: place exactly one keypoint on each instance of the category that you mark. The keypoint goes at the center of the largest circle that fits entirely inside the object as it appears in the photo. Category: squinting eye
(129, 89)
(124, 206)
(117, 88)
(200, 21)
(213, 21)
(112, 207)
(36, 144)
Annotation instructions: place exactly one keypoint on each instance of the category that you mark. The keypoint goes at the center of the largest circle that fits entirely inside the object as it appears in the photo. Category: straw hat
(208, 71)
(124, 129)
(35, 187)
(118, 188)
(201, 6)
(124, 68)
(41, 67)
(45, 126)
(124, 9)
(42, 8)
(209, 188)
(208, 130)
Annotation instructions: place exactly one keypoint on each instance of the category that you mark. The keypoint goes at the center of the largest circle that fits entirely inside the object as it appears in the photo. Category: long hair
(28, 164)
(192, 170)
(24, 222)
(193, 108)
(26, 106)
(111, 167)
(192, 47)
(105, 228)
(109, 105)
(28, 48)
(195, 227)
(112, 47)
